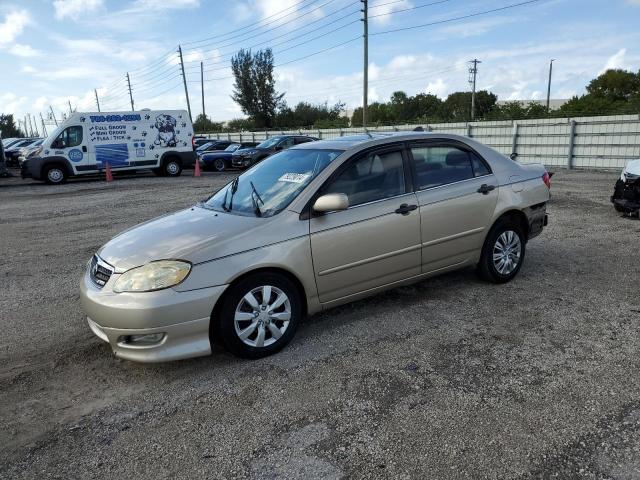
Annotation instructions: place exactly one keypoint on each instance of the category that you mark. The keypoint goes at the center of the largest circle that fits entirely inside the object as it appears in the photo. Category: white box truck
(85, 143)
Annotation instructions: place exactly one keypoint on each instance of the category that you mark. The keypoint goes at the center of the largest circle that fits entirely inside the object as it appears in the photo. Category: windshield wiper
(233, 187)
(256, 208)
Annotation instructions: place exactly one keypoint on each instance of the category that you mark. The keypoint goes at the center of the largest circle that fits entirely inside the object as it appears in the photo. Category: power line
(247, 26)
(297, 44)
(230, 54)
(260, 27)
(410, 8)
(456, 18)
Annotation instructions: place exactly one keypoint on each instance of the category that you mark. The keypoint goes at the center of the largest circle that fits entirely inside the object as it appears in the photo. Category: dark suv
(246, 157)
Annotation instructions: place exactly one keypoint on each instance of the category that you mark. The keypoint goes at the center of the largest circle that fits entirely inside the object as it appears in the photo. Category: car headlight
(152, 276)
(35, 153)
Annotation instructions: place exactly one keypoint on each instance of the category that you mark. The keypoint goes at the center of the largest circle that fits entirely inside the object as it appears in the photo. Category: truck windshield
(270, 186)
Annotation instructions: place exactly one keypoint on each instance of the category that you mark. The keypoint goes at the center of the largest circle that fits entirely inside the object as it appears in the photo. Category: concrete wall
(585, 142)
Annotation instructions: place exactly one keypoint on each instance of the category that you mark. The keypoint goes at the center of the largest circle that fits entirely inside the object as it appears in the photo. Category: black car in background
(246, 157)
(212, 145)
(221, 161)
(12, 152)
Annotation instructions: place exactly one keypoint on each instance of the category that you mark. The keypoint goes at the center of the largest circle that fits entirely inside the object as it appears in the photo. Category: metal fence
(582, 142)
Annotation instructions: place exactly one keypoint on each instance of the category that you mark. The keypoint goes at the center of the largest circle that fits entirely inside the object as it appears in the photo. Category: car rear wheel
(259, 316)
(54, 174)
(503, 252)
(219, 165)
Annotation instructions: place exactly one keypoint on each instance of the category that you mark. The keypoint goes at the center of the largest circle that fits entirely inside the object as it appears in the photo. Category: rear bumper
(537, 218)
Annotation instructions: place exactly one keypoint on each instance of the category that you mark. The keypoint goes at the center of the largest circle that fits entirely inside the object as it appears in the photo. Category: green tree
(457, 106)
(203, 125)
(615, 85)
(240, 124)
(8, 127)
(254, 88)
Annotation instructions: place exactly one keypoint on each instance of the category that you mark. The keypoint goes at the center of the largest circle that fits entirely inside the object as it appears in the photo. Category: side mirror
(331, 202)
(513, 156)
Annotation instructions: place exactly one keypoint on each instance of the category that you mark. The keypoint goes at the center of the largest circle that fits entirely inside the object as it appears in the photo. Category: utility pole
(44, 127)
(473, 71)
(130, 94)
(26, 129)
(70, 109)
(202, 86)
(184, 79)
(35, 125)
(365, 85)
(95, 90)
(549, 84)
(53, 115)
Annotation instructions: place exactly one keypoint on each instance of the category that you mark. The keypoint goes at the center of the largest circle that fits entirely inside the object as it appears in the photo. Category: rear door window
(441, 164)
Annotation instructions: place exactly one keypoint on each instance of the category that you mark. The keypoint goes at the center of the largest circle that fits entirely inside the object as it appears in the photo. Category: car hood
(245, 151)
(209, 156)
(196, 234)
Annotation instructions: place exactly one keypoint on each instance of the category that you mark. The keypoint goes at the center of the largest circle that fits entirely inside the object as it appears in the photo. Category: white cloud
(13, 25)
(616, 60)
(476, 27)
(12, 103)
(75, 9)
(634, 2)
(379, 10)
(25, 51)
(28, 69)
(166, 4)
(439, 88)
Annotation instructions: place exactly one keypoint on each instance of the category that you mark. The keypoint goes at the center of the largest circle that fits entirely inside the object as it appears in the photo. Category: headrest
(457, 158)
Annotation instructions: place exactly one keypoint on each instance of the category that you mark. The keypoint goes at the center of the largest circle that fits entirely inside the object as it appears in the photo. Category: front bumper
(183, 318)
(241, 162)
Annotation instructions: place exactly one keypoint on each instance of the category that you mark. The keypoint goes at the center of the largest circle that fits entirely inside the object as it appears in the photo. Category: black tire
(234, 302)
(54, 174)
(172, 167)
(219, 165)
(487, 267)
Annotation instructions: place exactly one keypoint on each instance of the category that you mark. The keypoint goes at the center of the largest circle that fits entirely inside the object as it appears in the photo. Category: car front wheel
(260, 315)
(54, 174)
(503, 252)
(172, 167)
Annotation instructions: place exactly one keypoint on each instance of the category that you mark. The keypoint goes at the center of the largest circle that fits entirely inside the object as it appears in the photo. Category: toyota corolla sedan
(309, 228)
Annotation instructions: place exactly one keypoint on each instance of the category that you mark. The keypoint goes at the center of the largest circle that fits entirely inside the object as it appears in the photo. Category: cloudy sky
(53, 52)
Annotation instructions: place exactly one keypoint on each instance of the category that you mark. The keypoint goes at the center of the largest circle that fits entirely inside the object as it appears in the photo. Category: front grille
(99, 271)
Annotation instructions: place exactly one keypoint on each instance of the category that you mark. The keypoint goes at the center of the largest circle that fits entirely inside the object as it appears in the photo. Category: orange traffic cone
(196, 171)
(108, 173)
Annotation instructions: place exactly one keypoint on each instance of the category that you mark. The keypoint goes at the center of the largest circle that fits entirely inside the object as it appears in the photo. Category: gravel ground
(448, 378)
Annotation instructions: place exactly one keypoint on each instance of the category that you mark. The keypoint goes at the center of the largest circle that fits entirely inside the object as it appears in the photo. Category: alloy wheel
(507, 252)
(262, 316)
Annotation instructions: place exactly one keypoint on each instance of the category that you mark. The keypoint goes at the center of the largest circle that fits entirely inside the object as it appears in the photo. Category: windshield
(232, 148)
(270, 142)
(204, 146)
(271, 185)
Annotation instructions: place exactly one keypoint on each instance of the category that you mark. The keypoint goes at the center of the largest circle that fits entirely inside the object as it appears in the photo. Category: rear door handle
(485, 189)
(84, 148)
(405, 209)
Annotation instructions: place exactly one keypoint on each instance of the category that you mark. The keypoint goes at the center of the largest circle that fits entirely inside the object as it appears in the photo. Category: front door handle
(84, 148)
(405, 209)
(485, 189)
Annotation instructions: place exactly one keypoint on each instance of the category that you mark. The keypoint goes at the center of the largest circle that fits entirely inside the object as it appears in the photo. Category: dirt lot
(449, 378)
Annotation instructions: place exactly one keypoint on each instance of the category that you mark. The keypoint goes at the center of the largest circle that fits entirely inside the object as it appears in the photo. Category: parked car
(309, 228)
(213, 145)
(26, 152)
(6, 142)
(87, 142)
(626, 194)
(12, 152)
(247, 157)
(197, 141)
(221, 161)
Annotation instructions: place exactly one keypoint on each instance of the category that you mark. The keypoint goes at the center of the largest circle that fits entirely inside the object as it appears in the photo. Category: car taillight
(546, 178)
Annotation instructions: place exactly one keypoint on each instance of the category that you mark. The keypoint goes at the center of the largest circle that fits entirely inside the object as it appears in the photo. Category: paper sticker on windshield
(294, 177)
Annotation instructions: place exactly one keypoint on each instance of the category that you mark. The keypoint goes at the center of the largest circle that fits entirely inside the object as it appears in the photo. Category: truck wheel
(172, 167)
(54, 174)
(503, 252)
(219, 165)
